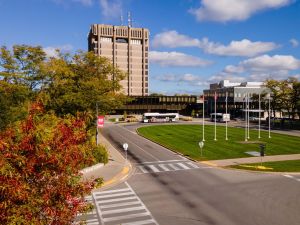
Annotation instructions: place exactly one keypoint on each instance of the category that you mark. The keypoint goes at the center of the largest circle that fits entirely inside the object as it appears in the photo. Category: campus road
(168, 189)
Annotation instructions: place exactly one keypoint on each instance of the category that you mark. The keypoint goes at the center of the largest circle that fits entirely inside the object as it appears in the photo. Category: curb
(120, 177)
(91, 168)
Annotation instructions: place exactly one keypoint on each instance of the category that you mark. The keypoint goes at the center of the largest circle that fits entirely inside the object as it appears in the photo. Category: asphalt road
(168, 189)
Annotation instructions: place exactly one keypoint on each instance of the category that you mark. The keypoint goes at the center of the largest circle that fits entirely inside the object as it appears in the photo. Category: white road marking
(173, 167)
(117, 199)
(291, 177)
(165, 161)
(123, 210)
(183, 166)
(113, 195)
(126, 217)
(140, 222)
(153, 168)
(118, 205)
(143, 169)
(164, 167)
(130, 142)
(193, 165)
(115, 208)
(112, 191)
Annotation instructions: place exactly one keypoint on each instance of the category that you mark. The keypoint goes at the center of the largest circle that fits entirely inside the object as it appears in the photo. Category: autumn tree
(78, 83)
(40, 160)
(66, 84)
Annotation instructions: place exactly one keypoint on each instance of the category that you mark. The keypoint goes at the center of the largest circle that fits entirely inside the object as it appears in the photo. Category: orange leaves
(39, 169)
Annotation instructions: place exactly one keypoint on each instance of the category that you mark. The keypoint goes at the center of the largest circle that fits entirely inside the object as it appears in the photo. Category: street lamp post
(97, 130)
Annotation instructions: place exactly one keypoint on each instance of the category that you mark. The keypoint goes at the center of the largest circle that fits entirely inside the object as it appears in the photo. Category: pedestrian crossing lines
(122, 206)
(89, 218)
(166, 166)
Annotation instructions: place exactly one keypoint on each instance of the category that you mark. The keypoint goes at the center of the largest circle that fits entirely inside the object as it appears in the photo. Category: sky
(192, 42)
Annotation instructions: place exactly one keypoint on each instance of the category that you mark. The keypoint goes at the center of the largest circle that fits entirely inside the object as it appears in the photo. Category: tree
(23, 65)
(65, 84)
(40, 159)
(13, 103)
(78, 83)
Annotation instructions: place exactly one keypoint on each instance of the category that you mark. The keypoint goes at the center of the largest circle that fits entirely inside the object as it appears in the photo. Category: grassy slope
(282, 166)
(185, 139)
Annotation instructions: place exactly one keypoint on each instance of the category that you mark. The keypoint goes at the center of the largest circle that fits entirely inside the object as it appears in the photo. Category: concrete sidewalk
(115, 171)
(229, 162)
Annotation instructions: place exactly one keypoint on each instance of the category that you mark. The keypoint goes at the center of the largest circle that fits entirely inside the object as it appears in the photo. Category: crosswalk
(89, 218)
(166, 166)
(122, 206)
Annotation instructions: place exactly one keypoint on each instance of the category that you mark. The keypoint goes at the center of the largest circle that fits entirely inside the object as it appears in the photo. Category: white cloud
(190, 79)
(245, 47)
(234, 10)
(53, 51)
(83, 2)
(273, 63)
(294, 42)
(176, 59)
(224, 76)
(263, 67)
(111, 8)
(173, 39)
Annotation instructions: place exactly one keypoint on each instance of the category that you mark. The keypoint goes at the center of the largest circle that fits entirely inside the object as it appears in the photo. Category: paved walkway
(115, 171)
(229, 162)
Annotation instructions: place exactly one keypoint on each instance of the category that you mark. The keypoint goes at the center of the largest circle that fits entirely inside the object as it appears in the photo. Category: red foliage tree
(40, 160)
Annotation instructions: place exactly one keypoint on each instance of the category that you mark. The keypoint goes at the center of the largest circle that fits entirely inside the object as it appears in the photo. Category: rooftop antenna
(122, 20)
(129, 20)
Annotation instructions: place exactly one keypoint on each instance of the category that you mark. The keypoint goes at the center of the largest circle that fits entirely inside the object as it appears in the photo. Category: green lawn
(185, 139)
(281, 166)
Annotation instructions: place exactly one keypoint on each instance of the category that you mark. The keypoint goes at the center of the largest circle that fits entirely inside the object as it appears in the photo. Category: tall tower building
(127, 48)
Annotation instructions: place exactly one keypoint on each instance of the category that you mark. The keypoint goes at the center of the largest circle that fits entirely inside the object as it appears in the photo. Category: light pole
(97, 131)
(270, 115)
(203, 139)
(259, 115)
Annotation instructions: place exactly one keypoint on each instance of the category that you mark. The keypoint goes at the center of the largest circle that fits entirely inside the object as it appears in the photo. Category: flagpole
(269, 115)
(215, 116)
(226, 114)
(203, 139)
(259, 107)
(245, 117)
(248, 115)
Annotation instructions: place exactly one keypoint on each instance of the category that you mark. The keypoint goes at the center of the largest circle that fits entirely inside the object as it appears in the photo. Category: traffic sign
(125, 146)
(201, 144)
(100, 122)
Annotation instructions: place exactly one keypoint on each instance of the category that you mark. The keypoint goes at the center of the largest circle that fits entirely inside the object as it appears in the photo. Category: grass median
(281, 166)
(185, 138)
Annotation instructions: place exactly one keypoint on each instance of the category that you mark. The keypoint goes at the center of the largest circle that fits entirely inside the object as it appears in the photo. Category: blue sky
(193, 42)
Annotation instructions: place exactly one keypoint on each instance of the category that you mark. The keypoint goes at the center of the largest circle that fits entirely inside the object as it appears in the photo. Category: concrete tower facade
(128, 49)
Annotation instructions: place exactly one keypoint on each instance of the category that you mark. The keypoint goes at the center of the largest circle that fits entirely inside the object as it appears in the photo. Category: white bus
(160, 117)
(220, 117)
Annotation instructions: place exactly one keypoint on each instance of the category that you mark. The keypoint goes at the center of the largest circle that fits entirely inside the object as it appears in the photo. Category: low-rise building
(237, 94)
